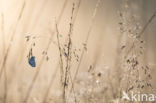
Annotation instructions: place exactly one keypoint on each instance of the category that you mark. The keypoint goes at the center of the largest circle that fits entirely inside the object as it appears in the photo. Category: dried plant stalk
(88, 35)
(43, 57)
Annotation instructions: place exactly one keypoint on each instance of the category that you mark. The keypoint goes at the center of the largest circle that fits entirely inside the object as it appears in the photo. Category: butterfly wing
(32, 61)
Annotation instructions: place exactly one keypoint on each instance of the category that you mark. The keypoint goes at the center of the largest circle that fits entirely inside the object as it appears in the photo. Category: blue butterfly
(32, 61)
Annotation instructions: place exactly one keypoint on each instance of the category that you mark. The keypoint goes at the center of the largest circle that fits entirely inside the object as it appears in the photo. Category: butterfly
(32, 61)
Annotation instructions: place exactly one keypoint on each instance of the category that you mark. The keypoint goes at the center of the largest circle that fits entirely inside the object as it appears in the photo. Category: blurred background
(30, 24)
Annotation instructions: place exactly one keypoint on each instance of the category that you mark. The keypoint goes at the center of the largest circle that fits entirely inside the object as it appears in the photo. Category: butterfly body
(32, 61)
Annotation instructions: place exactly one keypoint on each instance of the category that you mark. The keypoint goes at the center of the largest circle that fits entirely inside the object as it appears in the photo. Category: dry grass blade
(86, 41)
(5, 73)
(42, 59)
(74, 19)
(142, 31)
(11, 40)
(60, 52)
(68, 57)
(3, 32)
(6, 53)
(88, 34)
(50, 85)
(147, 24)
